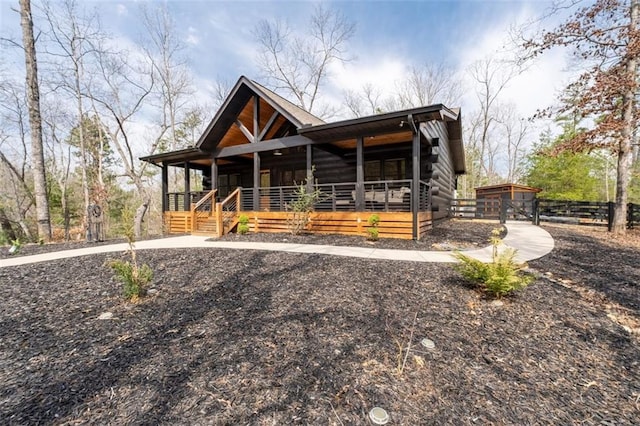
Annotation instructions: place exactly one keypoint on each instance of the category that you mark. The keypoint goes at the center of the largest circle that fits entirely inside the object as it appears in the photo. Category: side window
(394, 169)
(372, 170)
(293, 177)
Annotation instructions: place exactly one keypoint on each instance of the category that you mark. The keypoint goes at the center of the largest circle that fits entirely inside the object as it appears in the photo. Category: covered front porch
(341, 209)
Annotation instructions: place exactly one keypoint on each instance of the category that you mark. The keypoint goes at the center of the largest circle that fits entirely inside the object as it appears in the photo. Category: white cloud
(192, 37)
(380, 71)
(122, 10)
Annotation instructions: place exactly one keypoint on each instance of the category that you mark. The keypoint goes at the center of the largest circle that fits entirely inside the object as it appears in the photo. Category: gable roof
(235, 102)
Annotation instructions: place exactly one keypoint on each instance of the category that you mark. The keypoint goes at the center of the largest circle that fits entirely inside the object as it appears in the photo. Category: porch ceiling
(385, 139)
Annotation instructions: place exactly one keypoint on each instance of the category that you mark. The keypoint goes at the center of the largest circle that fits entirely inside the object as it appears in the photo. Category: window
(372, 170)
(227, 184)
(293, 177)
(392, 169)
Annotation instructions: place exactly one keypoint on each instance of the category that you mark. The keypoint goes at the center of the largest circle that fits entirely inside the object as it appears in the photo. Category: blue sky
(390, 37)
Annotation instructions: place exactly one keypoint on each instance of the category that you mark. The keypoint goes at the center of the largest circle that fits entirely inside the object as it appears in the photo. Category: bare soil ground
(245, 337)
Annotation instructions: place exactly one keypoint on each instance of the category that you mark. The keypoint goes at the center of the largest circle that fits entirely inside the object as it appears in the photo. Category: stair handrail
(204, 200)
(233, 194)
(196, 206)
(220, 210)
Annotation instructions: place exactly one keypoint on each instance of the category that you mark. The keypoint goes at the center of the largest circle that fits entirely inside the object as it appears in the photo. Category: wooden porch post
(256, 181)
(214, 173)
(360, 174)
(187, 187)
(165, 187)
(415, 182)
(256, 156)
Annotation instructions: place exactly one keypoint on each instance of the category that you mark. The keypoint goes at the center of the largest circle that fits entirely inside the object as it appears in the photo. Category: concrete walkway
(531, 242)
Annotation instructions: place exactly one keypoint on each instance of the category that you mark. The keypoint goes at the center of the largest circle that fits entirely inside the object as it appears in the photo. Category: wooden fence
(594, 213)
(591, 213)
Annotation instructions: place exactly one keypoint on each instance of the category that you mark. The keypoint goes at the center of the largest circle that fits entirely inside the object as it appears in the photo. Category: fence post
(535, 211)
(610, 214)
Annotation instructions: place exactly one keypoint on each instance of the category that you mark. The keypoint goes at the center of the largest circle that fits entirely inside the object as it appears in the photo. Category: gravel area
(231, 337)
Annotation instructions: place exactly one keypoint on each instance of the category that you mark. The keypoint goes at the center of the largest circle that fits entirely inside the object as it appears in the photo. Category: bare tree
(429, 84)
(174, 83)
(366, 102)
(420, 86)
(14, 156)
(297, 65)
(514, 130)
(35, 123)
(120, 76)
(221, 89)
(491, 78)
(60, 161)
(75, 40)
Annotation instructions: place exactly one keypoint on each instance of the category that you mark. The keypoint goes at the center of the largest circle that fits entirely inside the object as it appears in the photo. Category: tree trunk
(139, 218)
(625, 152)
(33, 95)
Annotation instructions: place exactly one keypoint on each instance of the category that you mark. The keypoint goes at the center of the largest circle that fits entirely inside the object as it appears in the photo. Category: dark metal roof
(177, 156)
(372, 125)
(510, 185)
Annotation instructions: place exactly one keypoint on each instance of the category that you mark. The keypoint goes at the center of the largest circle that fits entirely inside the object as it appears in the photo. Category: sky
(390, 37)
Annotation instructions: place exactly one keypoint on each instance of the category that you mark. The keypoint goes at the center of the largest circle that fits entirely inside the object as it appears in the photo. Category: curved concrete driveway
(531, 242)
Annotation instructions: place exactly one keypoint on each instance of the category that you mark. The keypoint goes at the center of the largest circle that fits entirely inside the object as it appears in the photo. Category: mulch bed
(246, 337)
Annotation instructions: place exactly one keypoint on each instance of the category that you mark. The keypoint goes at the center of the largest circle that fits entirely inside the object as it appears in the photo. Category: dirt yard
(261, 338)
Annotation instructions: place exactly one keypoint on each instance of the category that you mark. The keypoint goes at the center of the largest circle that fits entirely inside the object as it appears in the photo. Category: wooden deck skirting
(392, 224)
(177, 222)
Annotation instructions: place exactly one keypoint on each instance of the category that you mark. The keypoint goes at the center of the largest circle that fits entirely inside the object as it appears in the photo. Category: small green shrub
(301, 206)
(243, 224)
(372, 230)
(134, 278)
(499, 277)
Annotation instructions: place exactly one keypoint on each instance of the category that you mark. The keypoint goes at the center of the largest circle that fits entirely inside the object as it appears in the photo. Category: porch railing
(391, 195)
(175, 200)
(425, 197)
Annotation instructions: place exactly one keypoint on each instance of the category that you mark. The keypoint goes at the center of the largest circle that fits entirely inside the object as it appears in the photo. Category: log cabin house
(399, 165)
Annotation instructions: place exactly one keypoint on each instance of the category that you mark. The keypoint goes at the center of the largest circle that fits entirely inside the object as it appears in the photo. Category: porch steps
(205, 226)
